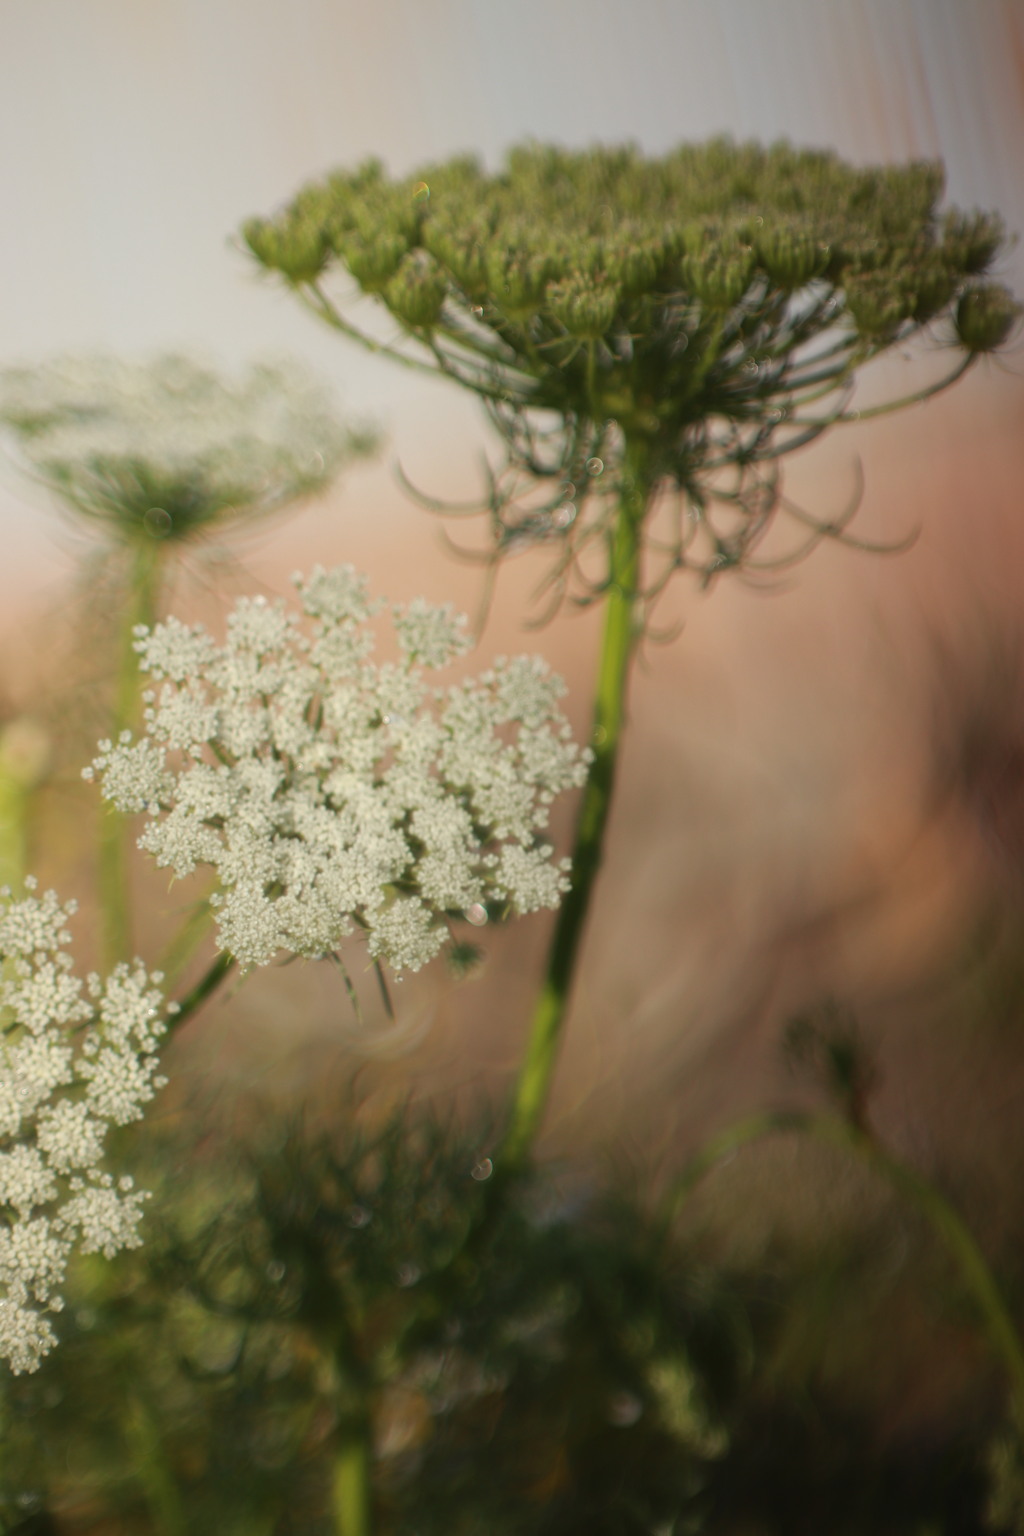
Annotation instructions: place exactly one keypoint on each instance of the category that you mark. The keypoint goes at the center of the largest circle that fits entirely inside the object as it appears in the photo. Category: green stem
(192, 931)
(536, 1071)
(152, 1468)
(204, 987)
(14, 811)
(351, 1481)
(945, 1221)
(115, 900)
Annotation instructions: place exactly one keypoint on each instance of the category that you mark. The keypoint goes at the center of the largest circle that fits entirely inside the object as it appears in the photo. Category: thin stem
(115, 901)
(382, 983)
(204, 988)
(945, 1221)
(314, 298)
(536, 1071)
(353, 995)
(191, 932)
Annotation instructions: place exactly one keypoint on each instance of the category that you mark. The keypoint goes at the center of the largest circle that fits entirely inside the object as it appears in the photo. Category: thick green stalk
(946, 1222)
(351, 1488)
(115, 900)
(537, 1069)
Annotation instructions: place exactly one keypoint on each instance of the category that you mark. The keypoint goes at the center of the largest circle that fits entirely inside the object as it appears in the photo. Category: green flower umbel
(706, 311)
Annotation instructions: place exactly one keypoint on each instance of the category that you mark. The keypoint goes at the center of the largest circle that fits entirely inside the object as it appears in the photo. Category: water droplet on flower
(478, 310)
(774, 415)
(595, 466)
(476, 914)
(483, 1170)
(275, 1271)
(624, 1409)
(359, 1216)
(420, 192)
(564, 515)
(600, 736)
(407, 1275)
(157, 522)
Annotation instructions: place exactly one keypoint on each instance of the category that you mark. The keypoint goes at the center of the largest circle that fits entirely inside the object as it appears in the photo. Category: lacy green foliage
(711, 307)
(566, 1376)
(166, 449)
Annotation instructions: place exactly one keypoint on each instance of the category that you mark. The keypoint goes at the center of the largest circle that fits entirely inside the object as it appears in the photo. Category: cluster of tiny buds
(332, 793)
(76, 1058)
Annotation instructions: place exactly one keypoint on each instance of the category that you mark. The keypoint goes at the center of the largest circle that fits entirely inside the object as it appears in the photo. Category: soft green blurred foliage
(568, 1373)
(169, 449)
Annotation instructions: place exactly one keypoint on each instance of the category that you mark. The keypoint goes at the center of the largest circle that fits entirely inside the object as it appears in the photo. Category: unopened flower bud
(586, 307)
(295, 247)
(518, 280)
(417, 291)
(720, 277)
(933, 286)
(876, 304)
(985, 317)
(790, 256)
(970, 241)
(635, 265)
(462, 251)
(372, 262)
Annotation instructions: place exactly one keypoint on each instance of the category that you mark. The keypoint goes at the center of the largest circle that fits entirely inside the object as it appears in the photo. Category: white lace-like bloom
(75, 1059)
(167, 447)
(333, 793)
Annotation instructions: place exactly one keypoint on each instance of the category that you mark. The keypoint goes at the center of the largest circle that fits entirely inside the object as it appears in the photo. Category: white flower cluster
(333, 793)
(169, 446)
(74, 1060)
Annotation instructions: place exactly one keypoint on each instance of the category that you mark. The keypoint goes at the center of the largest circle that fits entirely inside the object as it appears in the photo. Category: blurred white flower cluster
(332, 793)
(74, 1060)
(167, 447)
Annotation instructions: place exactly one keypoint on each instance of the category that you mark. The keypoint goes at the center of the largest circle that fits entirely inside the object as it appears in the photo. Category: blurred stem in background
(144, 1443)
(24, 760)
(944, 1220)
(352, 1480)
